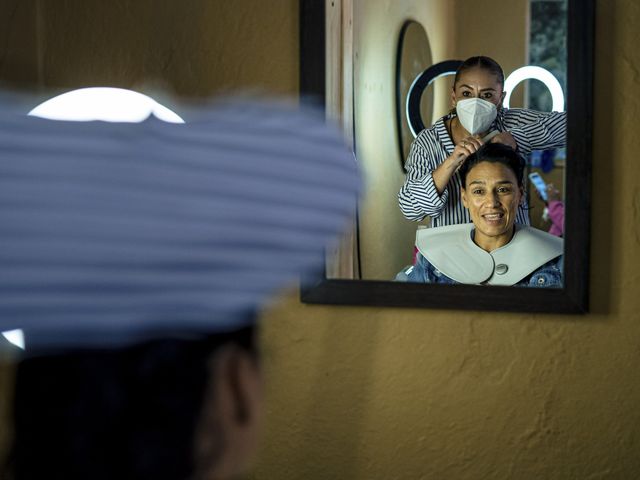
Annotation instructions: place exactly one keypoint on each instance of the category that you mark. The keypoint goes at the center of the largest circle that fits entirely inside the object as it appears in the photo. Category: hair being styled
(486, 63)
(494, 153)
(110, 414)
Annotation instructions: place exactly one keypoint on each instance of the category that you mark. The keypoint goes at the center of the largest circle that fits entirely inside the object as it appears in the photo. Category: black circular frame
(418, 87)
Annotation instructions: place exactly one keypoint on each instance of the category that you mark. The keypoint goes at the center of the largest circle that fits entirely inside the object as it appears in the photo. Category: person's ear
(231, 413)
(243, 381)
(453, 97)
(521, 200)
(463, 197)
(502, 97)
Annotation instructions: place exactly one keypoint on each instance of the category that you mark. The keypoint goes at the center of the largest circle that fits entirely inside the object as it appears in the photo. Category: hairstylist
(432, 187)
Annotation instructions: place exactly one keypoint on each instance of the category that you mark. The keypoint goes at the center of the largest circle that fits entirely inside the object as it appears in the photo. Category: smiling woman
(493, 250)
(492, 191)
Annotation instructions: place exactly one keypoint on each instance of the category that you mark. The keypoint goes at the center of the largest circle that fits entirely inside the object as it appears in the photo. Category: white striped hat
(112, 233)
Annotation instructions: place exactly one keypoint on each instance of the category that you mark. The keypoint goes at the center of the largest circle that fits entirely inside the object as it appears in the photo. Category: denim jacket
(548, 275)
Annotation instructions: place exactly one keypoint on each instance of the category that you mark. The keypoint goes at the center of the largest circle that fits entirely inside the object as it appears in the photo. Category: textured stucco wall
(372, 393)
(192, 47)
(18, 43)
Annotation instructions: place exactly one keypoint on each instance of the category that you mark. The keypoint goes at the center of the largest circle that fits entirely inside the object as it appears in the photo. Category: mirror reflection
(414, 57)
(510, 216)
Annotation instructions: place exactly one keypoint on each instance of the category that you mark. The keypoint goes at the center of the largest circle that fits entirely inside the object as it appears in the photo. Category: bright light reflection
(106, 104)
(535, 73)
(15, 337)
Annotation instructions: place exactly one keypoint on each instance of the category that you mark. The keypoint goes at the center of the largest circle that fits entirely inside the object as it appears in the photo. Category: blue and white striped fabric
(112, 233)
(419, 198)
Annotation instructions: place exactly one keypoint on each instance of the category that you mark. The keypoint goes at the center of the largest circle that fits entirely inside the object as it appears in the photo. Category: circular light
(418, 87)
(15, 337)
(535, 73)
(106, 104)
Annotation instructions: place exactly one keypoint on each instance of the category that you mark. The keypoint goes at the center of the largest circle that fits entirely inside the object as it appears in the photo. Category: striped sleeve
(419, 196)
(534, 130)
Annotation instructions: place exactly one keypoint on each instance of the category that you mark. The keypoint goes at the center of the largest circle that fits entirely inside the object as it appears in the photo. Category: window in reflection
(547, 48)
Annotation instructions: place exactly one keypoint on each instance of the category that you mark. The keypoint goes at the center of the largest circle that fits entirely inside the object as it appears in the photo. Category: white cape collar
(451, 250)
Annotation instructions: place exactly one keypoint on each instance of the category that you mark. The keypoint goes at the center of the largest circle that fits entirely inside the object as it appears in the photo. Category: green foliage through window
(547, 48)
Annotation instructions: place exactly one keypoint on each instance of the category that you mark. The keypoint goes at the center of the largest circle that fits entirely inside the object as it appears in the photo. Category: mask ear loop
(504, 95)
(453, 110)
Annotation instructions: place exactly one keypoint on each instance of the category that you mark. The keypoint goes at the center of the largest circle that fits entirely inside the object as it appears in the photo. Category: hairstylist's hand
(505, 138)
(452, 163)
(465, 148)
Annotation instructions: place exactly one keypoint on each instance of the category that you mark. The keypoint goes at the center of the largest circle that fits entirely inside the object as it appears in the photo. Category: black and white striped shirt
(419, 197)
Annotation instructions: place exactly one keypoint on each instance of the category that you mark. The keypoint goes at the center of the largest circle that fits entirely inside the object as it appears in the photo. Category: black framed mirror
(573, 296)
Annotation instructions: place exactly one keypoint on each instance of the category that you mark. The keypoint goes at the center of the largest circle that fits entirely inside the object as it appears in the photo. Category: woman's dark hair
(494, 153)
(109, 414)
(486, 63)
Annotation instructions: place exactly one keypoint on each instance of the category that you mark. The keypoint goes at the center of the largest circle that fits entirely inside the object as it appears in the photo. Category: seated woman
(493, 250)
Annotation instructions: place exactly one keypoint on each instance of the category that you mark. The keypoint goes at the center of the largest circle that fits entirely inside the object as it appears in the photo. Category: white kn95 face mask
(476, 115)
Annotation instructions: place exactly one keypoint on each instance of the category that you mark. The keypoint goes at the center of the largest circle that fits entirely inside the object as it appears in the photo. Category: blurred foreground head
(134, 257)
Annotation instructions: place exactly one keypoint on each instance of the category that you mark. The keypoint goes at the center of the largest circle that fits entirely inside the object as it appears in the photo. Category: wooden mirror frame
(574, 296)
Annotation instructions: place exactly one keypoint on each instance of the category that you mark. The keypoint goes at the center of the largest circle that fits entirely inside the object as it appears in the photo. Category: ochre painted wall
(18, 63)
(190, 48)
(373, 393)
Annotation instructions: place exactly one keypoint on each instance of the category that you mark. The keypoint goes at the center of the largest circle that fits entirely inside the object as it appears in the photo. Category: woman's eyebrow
(482, 182)
(464, 85)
